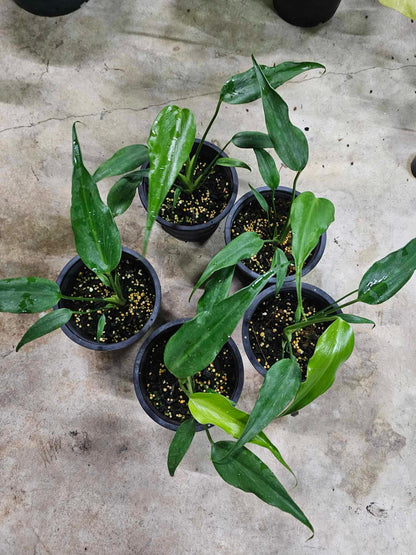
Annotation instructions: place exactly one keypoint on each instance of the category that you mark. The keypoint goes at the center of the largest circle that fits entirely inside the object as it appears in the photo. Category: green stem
(115, 285)
(198, 182)
(208, 435)
(334, 305)
(286, 227)
(198, 150)
(83, 299)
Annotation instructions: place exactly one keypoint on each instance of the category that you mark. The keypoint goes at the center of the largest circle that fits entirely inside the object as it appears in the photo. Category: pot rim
(145, 403)
(318, 251)
(215, 221)
(311, 290)
(75, 336)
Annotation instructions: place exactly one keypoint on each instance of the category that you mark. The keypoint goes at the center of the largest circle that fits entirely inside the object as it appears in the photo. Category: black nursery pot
(198, 232)
(141, 366)
(50, 8)
(244, 273)
(316, 296)
(65, 281)
(306, 13)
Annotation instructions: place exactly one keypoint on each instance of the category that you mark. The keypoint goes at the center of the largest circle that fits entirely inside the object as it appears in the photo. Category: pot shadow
(19, 92)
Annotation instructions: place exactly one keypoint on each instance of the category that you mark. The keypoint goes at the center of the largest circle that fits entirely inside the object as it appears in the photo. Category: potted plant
(105, 298)
(306, 13)
(50, 8)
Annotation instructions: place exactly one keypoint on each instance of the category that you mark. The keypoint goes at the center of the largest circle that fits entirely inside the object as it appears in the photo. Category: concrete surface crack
(358, 71)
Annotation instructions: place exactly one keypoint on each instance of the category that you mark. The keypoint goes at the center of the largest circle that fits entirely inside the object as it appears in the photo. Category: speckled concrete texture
(83, 469)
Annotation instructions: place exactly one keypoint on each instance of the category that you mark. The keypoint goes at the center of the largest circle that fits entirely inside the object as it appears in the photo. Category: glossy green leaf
(197, 342)
(176, 195)
(97, 238)
(244, 246)
(216, 289)
(124, 160)
(180, 444)
(333, 348)
(122, 193)
(31, 294)
(170, 142)
(267, 168)
(388, 275)
(100, 326)
(260, 199)
(252, 139)
(289, 141)
(280, 263)
(243, 87)
(352, 319)
(245, 471)
(232, 163)
(405, 7)
(280, 385)
(50, 322)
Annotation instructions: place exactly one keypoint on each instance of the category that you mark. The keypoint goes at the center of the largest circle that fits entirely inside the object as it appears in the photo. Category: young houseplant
(267, 210)
(113, 294)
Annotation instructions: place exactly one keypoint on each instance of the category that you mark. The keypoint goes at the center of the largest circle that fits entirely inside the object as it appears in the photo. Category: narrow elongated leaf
(216, 289)
(252, 139)
(280, 263)
(197, 342)
(122, 193)
(280, 385)
(245, 471)
(244, 246)
(170, 142)
(405, 7)
(267, 168)
(100, 326)
(180, 444)
(388, 275)
(260, 199)
(289, 141)
(333, 348)
(232, 163)
(28, 294)
(50, 322)
(352, 319)
(243, 87)
(124, 160)
(97, 238)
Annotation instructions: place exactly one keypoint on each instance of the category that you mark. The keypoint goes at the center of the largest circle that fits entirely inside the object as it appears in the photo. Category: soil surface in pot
(204, 204)
(162, 388)
(268, 322)
(253, 218)
(121, 322)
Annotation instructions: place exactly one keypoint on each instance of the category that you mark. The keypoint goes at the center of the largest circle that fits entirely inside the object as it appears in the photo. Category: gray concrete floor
(83, 468)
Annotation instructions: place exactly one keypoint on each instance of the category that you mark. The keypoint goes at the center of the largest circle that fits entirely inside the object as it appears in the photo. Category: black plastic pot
(50, 8)
(168, 330)
(306, 13)
(245, 274)
(65, 280)
(310, 292)
(200, 232)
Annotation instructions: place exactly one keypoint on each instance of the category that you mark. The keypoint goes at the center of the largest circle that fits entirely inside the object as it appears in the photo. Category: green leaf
(31, 294)
(216, 289)
(244, 246)
(100, 327)
(50, 322)
(267, 168)
(280, 385)
(180, 444)
(260, 199)
(280, 264)
(197, 342)
(405, 7)
(122, 193)
(289, 141)
(243, 87)
(245, 471)
(333, 348)
(388, 275)
(252, 139)
(124, 160)
(170, 142)
(97, 238)
(232, 163)
(176, 196)
(352, 319)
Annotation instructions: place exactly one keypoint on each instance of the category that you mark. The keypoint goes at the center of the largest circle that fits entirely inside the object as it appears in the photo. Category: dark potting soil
(268, 322)
(162, 388)
(204, 204)
(121, 322)
(253, 218)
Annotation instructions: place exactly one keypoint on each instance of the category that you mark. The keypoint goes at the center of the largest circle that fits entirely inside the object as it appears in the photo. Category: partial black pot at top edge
(245, 274)
(64, 281)
(306, 13)
(139, 386)
(308, 292)
(199, 232)
(50, 8)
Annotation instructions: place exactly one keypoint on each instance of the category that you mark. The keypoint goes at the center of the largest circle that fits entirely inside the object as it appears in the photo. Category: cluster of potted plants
(188, 374)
